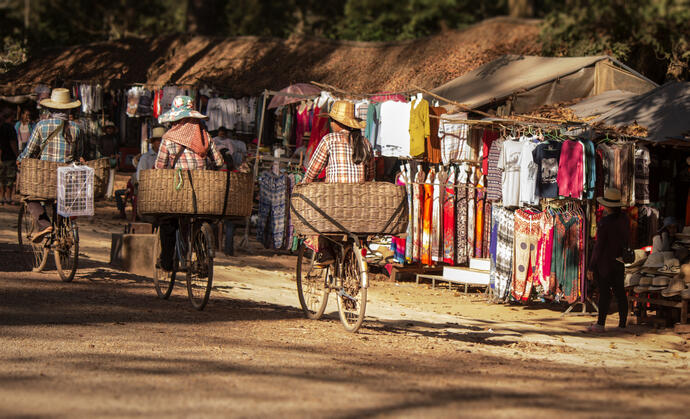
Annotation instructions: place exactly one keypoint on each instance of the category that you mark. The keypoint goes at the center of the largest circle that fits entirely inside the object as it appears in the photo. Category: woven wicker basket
(38, 178)
(101, 175)
(167, 191)
(365, 208)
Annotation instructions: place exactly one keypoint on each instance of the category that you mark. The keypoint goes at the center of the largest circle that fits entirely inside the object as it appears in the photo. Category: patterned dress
(504, 251)
(427, 218)
(461, 218)
(449, 219)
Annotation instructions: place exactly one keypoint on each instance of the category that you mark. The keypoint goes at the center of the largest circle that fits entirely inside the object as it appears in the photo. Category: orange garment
(426, 221)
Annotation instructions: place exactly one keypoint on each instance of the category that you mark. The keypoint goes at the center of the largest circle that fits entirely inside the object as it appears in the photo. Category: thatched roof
(247, 65)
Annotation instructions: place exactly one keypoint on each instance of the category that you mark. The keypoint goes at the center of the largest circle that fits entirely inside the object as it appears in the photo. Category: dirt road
(104, 345)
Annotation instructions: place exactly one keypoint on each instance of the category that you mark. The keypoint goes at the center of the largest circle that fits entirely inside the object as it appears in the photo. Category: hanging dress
(437, 220)
(461, 217)
(427, 218)
(449, 219)
(471, 226)
(418, 208)
(479, 219)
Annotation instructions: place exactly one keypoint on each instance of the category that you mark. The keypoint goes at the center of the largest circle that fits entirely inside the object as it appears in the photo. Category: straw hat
(645, 283)
(632, 279)
(344, 112)
(674, 288)
(60, 99)
(157, 133)
(182, 107)
(611, 198)
(671, 266)
(654, 262)
(659, 283)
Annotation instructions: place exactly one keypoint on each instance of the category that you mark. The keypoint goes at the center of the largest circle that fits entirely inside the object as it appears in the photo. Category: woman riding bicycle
(347, 157)
(186, 145)
(55, 139)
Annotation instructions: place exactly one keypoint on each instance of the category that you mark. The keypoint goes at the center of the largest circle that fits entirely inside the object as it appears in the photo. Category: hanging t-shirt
(508, 162)
(494, 177)
(453, 133)
(528, 173)
(547, 156)
(394, 134)
(590, 177)
(570, 169)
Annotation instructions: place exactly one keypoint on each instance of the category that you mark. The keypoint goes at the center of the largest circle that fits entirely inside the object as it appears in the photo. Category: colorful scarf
(190, 134)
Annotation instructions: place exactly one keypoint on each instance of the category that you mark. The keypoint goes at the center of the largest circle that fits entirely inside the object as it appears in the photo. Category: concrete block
(139, 228)
(139, 253)
(116, 249)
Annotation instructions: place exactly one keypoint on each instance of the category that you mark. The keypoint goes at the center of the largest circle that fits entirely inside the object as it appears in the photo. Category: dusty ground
(104, 345)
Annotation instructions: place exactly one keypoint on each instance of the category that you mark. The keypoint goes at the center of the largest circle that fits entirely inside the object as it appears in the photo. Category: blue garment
(371, 132)
(590, 169)
(271, 228)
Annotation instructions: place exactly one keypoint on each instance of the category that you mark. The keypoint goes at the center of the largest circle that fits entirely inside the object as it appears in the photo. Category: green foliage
(645, 33)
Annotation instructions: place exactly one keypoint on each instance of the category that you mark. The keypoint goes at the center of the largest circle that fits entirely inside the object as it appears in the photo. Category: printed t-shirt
(547, 156)
(509, 163)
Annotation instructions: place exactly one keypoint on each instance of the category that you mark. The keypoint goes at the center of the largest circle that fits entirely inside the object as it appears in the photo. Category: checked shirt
(335, 154)
(58, 149)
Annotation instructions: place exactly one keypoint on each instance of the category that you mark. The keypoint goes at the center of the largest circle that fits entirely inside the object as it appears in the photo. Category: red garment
(449, 222)
(319, 129)
(570, 169)
(383, 97)
(489, 137)
(426, 223)
(157, 103)
(479, 223)
(301, 126)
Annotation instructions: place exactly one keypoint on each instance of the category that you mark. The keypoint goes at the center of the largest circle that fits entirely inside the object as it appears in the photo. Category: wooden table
(655, 298)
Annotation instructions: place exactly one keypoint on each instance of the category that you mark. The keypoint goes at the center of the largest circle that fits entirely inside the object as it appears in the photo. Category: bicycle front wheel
(66, 249)
(352, 296)
(34, 255)
(311, 284)
(164, 281)
(200, 266)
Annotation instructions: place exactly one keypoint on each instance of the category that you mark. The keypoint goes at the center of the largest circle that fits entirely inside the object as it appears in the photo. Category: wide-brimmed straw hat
(671, 267)
(611, 198)
(344, 112)
(157, 133)
(60, 99)
(674, 288)
(644, 284)
(632, 279)
(640, 259)
(182, 107)
(659, 283)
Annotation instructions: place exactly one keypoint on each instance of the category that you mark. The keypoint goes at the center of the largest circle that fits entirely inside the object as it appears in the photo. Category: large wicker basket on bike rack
(38, 178)
(200, 192)
(364, 208)
(101, 175)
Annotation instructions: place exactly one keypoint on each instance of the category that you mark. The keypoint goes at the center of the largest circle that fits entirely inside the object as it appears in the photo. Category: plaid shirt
(335, 154)
(189, 160)
(58, 149)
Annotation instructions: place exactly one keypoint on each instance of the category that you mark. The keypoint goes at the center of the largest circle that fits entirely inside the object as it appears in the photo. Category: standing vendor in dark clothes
(613, 235)
(8, 155)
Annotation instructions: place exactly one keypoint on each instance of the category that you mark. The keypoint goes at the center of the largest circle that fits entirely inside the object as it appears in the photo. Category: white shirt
(509, 162)
(146, 161)
(394, 130)
(528, 173)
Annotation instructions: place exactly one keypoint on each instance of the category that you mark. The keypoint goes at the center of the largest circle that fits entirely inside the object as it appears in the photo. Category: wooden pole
(245, 240)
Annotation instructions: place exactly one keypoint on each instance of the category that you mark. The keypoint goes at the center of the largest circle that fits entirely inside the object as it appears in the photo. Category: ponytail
(360, 152)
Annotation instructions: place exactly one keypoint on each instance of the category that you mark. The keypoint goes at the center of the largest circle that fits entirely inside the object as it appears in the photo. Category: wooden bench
(654, 299)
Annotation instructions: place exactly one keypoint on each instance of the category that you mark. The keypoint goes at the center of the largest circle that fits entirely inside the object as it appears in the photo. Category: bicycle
(347, 276)
(63, 240)
(195, 249)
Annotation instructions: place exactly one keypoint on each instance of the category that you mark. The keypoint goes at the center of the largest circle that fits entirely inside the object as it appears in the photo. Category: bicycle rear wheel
(34, 255)
(200, 266)
(163, 281)
(66, 248)
(352, 296)
(311, 284)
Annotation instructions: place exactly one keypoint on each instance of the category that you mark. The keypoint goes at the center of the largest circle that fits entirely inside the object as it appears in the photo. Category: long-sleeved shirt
(613, 235)
(59, 149)
(188, 160)
(147, 161)
(334, 153)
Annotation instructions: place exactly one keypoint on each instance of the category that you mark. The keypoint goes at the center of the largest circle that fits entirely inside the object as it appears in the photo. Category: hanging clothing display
(527, 233)
(433, 143)
(505, 220)
(642, 163)
(394, 133)
(547, 156)
(461, 194)
(528, 173)
(271, 225)
(449, 219)
(453, 134)
(471, 192)
(570, 169)
(420, 128)
(509, 164)
(494, 176)
(371, 131)
(567, 251)
(479, 219)
(437, 219)
(418, 208)
(427, 218)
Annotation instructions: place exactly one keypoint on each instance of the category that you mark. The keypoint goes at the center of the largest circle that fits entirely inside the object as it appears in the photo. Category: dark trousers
(39, 215)
(229, 238)
(168, 233)
(120, 197)
(615, 282)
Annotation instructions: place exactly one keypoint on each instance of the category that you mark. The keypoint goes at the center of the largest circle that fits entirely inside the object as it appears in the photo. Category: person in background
(223, 142)
(240, 148)
(8, 157)
(54, 139)
(613, 235)
(347, 157)
(188, 146)
(24, 127)
(148, 159)
(109, 146)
